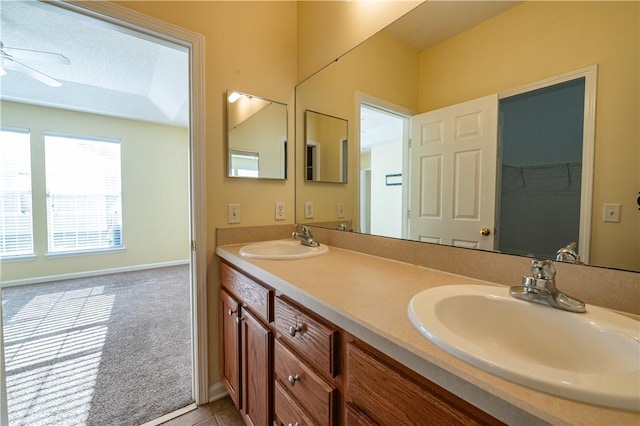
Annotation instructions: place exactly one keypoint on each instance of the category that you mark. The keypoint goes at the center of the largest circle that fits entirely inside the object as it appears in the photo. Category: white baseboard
(51, 278)
(217, 391)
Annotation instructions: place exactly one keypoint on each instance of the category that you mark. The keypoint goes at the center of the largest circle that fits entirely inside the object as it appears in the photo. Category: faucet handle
(543, 269)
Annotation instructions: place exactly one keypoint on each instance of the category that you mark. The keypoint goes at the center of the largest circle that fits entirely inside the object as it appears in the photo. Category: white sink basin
(281, 250)
(592, 357)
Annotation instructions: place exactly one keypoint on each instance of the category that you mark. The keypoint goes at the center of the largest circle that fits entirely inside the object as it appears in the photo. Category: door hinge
(408, 214)
(410, 142)
(193, 245)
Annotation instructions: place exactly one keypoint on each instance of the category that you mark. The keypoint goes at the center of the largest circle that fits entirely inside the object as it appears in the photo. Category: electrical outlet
(280, 210)
(308, 210)
(233, 213)
(611, 213)
(340, 210)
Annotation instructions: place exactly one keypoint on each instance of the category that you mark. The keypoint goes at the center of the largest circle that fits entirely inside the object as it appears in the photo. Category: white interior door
(453, 174)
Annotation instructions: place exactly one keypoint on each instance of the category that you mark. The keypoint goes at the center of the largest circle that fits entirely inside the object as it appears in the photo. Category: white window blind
(16, 219)
(83, 193)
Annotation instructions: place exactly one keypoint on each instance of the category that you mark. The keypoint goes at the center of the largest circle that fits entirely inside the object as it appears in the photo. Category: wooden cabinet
(230, 346)
(382, 391)
(246, 345)
(284, 365)
(257, 376)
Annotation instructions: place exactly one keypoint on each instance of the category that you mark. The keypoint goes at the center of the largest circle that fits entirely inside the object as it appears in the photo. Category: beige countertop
(368, 297)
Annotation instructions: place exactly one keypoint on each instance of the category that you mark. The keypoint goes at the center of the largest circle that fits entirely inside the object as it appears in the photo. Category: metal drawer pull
(238, 319)
(293, 424)
(294, 329)
(231, 312)
(294, 379)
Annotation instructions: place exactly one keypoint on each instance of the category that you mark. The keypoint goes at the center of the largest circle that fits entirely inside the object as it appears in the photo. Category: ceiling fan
(9, 60)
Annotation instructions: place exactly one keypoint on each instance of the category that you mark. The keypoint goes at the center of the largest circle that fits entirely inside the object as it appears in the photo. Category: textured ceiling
(113, 71)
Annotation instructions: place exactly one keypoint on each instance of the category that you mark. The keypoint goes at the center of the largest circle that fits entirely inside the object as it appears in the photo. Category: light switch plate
(233, 213)
(611, 213)
(340, 210)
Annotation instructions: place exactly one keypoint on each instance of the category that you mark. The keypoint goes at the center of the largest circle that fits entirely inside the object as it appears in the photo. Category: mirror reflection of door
(383, 143)
(453, 174)
(531, 197)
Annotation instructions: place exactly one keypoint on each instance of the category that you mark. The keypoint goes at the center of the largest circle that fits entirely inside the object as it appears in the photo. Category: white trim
(53, 254)
(129, 19)
(60, 277)
(18, 258)
(217, 391)
(172, 415)
(590, 75)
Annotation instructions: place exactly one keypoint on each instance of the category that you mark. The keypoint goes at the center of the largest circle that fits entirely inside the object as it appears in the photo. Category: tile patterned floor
(217, 413)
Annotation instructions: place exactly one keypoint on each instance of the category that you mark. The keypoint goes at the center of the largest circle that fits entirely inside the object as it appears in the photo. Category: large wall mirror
(256, 137)
(559, 108)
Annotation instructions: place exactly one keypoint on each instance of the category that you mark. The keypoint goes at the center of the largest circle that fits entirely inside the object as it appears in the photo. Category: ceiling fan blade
(37, 55)
(11, 64)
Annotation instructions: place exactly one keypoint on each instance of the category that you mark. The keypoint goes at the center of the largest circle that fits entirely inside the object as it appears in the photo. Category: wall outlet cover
(280, 212)
(308, 210)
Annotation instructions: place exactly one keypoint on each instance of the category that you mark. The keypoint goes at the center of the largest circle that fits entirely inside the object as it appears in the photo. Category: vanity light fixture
(234, 96)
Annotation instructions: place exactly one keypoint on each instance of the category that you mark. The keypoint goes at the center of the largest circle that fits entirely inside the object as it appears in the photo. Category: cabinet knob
(293, 424)
(232, 311)
(238, 319)
(294, 379)
(294, 329)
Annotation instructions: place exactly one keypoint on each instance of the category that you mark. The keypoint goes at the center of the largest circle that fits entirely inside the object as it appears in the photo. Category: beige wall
(329, 29)
(155, 190)
(249, 47)
(537, 40)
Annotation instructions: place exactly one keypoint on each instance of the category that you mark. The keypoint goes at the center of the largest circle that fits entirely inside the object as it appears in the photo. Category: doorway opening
(191, 263)
(383, 148)
(540, 172)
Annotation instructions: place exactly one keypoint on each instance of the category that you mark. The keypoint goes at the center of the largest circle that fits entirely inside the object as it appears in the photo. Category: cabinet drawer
(308, 388)
(253, 295)
(288, 412)
(307, 335)
(388, 395)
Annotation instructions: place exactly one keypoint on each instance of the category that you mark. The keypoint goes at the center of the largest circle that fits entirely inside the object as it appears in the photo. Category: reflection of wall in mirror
(576, 34)
(506, 52)
(383, 59)
(327, 134)
(263, 134)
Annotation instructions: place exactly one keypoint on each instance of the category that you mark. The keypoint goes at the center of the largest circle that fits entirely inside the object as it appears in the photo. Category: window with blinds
(16, 218)
(83, 185)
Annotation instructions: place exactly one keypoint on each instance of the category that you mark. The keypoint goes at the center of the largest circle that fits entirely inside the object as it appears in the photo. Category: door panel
(453, 189)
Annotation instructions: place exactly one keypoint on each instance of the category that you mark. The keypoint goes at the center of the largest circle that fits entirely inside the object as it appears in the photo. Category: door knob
(485, 231)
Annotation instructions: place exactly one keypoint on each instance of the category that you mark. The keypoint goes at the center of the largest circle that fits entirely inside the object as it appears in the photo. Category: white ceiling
(113, 71)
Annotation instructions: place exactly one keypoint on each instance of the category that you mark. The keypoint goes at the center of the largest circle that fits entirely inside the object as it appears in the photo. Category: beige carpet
(108, 350)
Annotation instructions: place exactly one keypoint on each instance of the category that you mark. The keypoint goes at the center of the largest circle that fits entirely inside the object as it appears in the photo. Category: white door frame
(590, 75)
(361, 98)
(127, 18)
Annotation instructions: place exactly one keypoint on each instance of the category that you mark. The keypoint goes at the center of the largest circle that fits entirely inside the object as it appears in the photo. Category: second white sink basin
(281, 250)
(592, 357)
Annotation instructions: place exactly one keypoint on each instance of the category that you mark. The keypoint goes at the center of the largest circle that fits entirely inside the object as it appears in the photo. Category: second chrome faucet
(305, 237)
(540, 287)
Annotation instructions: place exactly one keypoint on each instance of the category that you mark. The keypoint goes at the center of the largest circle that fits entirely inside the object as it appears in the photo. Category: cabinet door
(257, 371)
(230, 346)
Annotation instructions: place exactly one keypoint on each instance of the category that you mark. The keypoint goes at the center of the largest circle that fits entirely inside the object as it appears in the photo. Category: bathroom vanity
(327, 340)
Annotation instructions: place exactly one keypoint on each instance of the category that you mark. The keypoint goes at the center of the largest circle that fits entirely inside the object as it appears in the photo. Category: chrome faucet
(568, 254)
(305, 237)
(540, 287)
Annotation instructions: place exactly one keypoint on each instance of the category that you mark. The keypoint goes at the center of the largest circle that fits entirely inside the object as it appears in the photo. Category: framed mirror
(405, 71)
(256, 137)
(326, 148)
